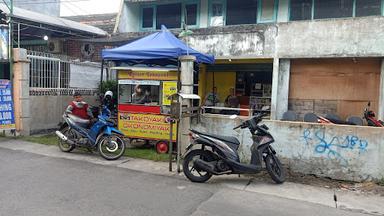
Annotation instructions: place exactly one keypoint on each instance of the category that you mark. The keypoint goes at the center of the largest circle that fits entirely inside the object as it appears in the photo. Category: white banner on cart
(139, 82)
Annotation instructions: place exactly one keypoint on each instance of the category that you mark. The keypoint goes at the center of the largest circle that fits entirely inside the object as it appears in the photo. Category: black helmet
(76, 94)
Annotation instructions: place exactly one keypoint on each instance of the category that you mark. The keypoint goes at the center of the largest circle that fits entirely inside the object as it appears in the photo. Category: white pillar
(280, 87)
(186, 79)
(186, 74)
(21, 91)
(380, 113)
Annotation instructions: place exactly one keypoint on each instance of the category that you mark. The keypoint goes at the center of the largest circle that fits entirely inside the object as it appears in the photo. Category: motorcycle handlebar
(237, 127)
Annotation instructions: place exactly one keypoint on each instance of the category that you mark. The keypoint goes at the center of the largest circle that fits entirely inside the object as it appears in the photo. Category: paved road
(37, 185)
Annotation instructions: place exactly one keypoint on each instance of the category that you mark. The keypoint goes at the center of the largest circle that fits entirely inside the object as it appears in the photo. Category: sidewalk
(354, 201)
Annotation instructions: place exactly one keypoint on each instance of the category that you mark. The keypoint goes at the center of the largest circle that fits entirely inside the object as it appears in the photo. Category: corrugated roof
(105, 22)
(53, 21)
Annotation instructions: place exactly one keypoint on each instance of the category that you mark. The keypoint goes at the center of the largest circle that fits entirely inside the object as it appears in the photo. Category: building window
(147, 18)
(241, 12)
(217, 13)
(168, 15)
(191, 16)
(368, 7)
(267, 10)
(300, 9)
(333, 9)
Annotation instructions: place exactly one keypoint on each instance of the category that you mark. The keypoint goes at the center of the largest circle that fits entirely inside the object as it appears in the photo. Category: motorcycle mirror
(265, 108)
(369, 103)
(233, 117)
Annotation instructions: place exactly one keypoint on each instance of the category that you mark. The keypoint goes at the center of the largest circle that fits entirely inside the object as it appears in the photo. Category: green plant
(381, 182)
(109, 85)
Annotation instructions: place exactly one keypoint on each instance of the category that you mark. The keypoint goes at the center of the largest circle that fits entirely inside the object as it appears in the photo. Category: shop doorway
(251, 83)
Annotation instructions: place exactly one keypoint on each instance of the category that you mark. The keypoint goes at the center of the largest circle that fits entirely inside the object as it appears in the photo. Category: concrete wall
(130, 18)
(283, 11)
(348, 37)
(343, 37)
(335, 151)
(47, 111)
(204, 18)
(357, 37)
(51, 7)
(253, 41)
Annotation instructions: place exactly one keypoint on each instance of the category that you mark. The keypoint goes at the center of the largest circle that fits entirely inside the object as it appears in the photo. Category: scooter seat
(230, 139)
(79, 121)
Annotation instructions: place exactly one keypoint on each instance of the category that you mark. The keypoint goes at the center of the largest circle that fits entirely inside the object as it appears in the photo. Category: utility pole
(11, 42)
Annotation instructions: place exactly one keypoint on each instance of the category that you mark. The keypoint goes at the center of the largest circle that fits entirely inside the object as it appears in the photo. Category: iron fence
(50, 74)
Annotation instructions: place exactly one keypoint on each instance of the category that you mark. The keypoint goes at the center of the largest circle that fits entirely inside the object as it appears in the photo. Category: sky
(83, 7)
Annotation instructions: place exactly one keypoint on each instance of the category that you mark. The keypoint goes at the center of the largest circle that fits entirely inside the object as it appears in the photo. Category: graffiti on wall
(334, 146)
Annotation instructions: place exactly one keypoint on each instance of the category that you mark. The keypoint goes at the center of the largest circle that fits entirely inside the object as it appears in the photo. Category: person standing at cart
(139, 97)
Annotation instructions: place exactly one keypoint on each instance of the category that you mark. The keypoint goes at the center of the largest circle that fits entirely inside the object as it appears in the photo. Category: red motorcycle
(369, 115)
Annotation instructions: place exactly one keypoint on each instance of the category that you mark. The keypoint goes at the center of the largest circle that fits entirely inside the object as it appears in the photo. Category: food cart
(144, 103)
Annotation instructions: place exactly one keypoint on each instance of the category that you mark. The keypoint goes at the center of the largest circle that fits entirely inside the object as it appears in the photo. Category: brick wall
(73, 48)
(320, 107)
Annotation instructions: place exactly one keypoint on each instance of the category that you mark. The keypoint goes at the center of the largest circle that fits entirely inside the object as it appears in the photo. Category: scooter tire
(62, 143)
(275, 168)
(188, 171)
(120, 145)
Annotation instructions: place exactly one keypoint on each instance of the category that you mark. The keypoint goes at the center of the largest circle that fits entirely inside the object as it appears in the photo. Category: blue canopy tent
(154, 48)
(160, 48)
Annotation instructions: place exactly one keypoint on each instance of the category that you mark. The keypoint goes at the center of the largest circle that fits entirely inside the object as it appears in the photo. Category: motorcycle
(369, 115)
(217, 155)
(102, 136)
(329, 120)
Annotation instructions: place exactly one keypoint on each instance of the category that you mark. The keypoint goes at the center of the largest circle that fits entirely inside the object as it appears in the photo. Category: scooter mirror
(265, 108)
(233, 116)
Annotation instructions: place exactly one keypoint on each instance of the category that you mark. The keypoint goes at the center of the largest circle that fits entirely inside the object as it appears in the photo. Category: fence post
(59, 77)
(21, 91)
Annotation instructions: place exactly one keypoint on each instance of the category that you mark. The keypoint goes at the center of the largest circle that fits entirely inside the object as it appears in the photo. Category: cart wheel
(162, 147)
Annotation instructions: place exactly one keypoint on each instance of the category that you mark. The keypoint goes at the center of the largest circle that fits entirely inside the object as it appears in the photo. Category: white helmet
(108, 93)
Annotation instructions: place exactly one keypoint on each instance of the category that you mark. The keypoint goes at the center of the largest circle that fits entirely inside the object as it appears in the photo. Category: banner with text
(7, 117)
(146, 126)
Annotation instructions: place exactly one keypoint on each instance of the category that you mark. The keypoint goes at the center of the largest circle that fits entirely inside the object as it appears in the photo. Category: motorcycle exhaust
(208, 167)
(64, 138)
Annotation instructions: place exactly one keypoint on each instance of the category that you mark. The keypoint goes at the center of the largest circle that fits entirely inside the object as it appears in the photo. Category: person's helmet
(108, 93)
(76, 93)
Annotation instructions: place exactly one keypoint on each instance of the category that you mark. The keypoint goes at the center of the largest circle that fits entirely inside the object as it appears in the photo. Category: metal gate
(50, 75)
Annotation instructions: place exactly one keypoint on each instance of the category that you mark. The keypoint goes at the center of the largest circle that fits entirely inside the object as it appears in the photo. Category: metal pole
(213, 88)
(178, 148)
(170, 145)
(59, 76)
(101, 75)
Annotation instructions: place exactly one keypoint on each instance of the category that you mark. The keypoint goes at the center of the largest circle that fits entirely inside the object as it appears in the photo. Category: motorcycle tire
(64, 146)
(275, 168)
(204, 155)
(109, 144)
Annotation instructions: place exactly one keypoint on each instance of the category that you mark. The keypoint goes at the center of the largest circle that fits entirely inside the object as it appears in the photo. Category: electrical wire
(49, 2)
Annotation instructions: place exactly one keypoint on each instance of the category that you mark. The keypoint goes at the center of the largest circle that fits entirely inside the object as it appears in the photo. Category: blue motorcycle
(102, 136)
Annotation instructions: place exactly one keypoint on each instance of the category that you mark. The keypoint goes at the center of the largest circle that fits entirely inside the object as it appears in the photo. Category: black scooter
(217, 155)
